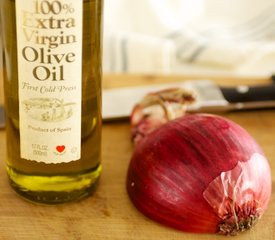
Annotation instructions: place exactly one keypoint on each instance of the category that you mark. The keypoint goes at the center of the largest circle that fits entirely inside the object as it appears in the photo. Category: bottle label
(49, 50)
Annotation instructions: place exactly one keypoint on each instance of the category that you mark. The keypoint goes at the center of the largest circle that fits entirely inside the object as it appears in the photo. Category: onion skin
(200, 173)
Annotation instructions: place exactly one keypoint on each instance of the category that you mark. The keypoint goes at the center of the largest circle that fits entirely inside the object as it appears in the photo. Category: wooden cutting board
(109, 214)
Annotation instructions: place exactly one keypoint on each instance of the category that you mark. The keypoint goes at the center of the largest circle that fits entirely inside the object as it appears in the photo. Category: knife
(118, 103)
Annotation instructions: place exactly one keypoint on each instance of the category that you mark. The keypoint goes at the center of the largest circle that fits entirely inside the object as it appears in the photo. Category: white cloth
(189, 36)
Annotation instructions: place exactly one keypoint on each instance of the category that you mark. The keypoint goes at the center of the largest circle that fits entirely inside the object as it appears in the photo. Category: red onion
(200, 173)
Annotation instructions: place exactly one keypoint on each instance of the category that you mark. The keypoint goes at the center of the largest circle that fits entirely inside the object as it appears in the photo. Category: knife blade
(118, 103)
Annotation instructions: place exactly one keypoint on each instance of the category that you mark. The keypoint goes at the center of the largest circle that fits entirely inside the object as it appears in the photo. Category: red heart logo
(60, 149)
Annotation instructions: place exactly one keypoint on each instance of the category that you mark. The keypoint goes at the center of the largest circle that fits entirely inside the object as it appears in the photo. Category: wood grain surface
(109, 214)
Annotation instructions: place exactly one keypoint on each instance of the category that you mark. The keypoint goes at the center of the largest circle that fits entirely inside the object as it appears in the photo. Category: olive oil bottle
(52, 84)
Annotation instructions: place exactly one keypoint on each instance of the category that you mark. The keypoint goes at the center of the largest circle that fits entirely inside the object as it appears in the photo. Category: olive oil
(53, 118)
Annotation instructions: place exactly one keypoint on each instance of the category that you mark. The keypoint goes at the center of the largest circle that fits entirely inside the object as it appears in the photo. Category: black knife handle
(249, 93)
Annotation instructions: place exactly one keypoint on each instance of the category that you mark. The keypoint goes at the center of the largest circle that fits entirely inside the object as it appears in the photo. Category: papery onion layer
(200, 173)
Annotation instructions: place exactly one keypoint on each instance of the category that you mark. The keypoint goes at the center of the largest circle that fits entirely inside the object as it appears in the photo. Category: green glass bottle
(52, 84)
